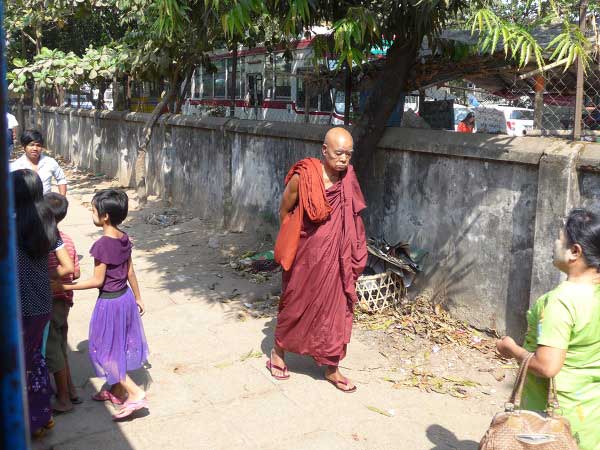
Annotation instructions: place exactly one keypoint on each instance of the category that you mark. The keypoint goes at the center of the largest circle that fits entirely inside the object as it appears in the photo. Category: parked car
(519, 121)
(504, 120)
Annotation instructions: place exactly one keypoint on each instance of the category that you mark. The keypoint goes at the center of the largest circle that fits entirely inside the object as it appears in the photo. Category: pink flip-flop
(105, 395)
(271, 366)
(343, 383)
(129, 408)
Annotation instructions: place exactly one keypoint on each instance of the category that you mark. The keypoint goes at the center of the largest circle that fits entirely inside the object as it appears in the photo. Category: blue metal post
(14, 429)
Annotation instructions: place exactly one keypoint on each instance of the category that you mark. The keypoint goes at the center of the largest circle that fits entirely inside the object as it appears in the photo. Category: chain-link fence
(507, 101)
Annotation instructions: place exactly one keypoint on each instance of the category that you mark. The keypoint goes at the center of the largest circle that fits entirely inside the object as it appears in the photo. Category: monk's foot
(335, 377)
(276, 364)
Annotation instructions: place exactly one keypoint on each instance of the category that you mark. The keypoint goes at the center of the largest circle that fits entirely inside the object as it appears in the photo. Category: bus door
(255, 90)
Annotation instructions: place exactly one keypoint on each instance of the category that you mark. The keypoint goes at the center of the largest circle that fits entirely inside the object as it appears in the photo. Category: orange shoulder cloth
(311, 199)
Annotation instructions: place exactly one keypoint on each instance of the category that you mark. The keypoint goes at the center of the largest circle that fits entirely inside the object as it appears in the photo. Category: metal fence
(526, 102)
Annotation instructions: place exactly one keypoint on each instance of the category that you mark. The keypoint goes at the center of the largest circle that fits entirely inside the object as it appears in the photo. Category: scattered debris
(387, 413)
(242, 316)
(163, 220)
(251, 354)
(423, 318)
(428, 382)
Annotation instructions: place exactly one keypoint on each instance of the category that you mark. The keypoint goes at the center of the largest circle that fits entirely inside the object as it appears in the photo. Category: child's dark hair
(583, 227)
(29, 136)
(112, 202)
(36, 226)
(58, 205)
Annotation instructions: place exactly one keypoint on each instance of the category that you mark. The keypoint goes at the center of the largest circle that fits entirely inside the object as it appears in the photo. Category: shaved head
(338, 135)
(338, 147)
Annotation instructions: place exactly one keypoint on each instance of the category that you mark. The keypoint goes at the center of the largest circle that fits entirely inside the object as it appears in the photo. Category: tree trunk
(60, 95)
(140, 162)
(306, 102)
(380, 104)
(128, 92)
(538, 106)
(101, 90)
(347, 94)
(234, 63)
(37, 92)
(116, 95)
(183, 89)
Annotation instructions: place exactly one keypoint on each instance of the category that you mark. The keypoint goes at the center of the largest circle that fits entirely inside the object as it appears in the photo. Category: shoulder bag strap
(515, 398)
(552, 404)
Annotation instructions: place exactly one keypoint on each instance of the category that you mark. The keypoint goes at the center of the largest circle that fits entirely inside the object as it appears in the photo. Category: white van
(519, 121)
(504, 120)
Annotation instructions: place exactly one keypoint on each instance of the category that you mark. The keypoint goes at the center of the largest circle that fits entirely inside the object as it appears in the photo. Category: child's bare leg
(71, 386)
(135, 393)
(63, 400)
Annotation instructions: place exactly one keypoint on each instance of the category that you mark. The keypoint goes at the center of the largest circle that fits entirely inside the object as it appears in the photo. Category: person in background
(467, 125)
(563, 332)
(62, 301)
(34, 159)
(12, 130)
(37, 236)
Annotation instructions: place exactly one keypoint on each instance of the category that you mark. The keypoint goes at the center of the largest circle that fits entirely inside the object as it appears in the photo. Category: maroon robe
(317, 303)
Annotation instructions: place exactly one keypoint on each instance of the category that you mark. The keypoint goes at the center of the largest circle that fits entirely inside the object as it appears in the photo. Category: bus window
(239, 80)
(219, 84)
(207, 84)
(326, 104)
(197, 83)
(255, 92)
(268, 77)
(283, 81)
(340, 103)
(300, 95)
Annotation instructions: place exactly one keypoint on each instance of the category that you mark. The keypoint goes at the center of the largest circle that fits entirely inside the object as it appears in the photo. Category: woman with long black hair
(37, 236)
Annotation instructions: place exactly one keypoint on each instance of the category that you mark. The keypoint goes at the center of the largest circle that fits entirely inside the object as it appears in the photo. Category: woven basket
(376, 293)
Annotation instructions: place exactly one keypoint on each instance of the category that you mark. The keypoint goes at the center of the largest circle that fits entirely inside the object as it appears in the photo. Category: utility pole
(14, 432)
(579, 88)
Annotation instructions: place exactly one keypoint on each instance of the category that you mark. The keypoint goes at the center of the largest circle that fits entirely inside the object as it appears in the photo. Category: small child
(37, 237)
(56, 347)
(117, 343)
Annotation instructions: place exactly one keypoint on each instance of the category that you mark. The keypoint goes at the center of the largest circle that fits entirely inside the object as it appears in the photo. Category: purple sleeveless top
(115, 254)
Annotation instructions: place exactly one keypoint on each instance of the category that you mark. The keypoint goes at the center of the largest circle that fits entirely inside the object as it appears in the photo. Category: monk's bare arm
(290, 197)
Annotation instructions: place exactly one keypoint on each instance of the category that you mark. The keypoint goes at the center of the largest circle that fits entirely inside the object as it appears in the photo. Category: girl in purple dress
(37, 236)
(117, 343)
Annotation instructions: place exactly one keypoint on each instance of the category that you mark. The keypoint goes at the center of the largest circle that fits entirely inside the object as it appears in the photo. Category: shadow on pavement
(90, 426)
(444, 439)
(298, 364)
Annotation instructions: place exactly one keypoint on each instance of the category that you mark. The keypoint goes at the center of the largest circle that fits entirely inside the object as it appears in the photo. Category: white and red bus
(268, 87)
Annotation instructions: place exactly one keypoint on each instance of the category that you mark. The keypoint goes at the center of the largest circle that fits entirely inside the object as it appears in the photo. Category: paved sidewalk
(208, 389)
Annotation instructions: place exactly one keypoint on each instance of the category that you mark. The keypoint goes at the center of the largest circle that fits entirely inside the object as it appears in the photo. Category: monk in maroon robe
(321, 247)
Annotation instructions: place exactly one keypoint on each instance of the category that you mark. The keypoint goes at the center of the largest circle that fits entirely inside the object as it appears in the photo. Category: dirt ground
(425, 380)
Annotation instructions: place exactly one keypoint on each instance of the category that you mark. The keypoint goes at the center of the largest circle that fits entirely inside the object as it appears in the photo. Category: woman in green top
(564, 332)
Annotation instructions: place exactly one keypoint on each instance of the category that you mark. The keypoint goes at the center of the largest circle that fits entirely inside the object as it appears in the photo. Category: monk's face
(337, 150)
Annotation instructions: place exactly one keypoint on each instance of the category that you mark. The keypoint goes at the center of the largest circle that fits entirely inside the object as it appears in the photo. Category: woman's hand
(506, 347)
(141, 308)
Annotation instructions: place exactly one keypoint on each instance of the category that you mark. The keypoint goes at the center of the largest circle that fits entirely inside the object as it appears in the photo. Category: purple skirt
(117, 343)
(36, 372)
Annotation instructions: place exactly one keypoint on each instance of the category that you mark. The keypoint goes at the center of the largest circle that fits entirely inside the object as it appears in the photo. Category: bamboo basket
(379, 292)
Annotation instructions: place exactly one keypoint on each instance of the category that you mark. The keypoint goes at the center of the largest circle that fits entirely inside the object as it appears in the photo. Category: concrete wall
(488, 208)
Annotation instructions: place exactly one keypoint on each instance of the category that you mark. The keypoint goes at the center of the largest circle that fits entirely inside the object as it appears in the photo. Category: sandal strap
(275, 366)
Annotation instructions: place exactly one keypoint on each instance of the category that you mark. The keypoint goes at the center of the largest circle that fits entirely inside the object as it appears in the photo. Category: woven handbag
(520, 429)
